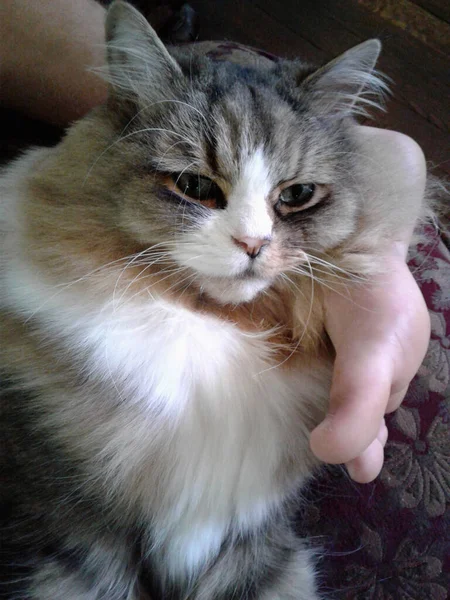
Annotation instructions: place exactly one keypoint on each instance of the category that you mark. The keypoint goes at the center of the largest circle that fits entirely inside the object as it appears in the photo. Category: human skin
(380, 332)
(45, 49)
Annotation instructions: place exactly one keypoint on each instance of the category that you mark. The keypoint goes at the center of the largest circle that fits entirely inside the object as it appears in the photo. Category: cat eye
(200, 188)
(298, 195)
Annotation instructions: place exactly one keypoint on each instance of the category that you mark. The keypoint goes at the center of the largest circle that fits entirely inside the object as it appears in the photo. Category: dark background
(416, 50)
(416, 56)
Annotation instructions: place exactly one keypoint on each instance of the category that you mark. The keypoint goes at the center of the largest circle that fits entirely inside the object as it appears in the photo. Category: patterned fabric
(390, 540)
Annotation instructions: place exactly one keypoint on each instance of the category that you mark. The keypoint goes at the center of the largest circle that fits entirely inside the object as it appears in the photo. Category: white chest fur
(206, 434)
(221, 419)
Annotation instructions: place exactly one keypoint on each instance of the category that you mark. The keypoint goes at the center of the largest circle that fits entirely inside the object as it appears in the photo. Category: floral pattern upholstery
(390, 540)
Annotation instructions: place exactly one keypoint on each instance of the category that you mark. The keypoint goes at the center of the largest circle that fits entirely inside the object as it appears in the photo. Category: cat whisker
(312, 275)
(64, 286)
(331, 288)
(170, 272)
(176, 183)
(333, 268)
(152, 104)
(305, 327)
(189, 276)
(158, 168)
(336, 278)
(128, 135)
(306, 324)
(138, 276)
(145, 253)
(184, 170)
(289, 280)
(188, 285)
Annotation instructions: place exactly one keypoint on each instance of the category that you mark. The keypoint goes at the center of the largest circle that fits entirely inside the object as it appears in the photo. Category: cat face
(238, 173)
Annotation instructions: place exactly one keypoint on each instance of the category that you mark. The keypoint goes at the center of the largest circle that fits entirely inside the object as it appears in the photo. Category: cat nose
(252, 246)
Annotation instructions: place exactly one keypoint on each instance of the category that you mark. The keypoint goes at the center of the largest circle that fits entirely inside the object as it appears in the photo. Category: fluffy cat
(163, 350)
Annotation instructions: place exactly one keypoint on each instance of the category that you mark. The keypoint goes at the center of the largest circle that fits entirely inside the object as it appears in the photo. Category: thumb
(359, 395)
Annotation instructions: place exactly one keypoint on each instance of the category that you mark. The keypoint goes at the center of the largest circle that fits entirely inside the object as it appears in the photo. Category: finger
(367, 467)
(395, 400)
(382, 435)
(359, 395)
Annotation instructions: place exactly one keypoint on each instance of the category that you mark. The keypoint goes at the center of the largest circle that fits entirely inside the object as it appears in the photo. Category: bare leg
(45, 49)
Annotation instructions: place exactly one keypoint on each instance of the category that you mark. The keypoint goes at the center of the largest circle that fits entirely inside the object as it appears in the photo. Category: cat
(164, 357)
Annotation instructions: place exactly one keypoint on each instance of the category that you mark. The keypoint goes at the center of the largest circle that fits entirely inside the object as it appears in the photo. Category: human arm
(380, 332)
(46, 48)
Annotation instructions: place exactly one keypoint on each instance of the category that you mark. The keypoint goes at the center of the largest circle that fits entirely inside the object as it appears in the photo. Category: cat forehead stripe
(248, 199)
(255, 173)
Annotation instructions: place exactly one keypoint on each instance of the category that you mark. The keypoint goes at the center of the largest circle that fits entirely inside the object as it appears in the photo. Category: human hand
(380, 334)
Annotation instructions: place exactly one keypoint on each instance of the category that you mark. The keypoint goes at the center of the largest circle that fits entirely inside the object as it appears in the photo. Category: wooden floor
(416, 50)
(416, 55)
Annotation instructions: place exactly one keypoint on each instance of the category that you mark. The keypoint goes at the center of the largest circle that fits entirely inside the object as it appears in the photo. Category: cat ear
(348, 85)
(138, 63)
